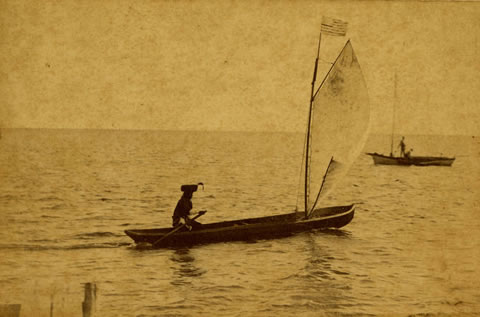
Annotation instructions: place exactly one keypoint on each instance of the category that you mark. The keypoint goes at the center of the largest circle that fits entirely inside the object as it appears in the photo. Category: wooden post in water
(88, 305)
(51, 305)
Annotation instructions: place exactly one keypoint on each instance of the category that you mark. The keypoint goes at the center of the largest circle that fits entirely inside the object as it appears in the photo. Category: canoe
(249, 229)
(380, 159)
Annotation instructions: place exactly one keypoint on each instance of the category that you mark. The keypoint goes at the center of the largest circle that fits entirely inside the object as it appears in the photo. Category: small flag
(334, 27)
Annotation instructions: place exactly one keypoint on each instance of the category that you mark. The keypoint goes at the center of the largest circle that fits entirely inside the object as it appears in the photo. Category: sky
(233, 65)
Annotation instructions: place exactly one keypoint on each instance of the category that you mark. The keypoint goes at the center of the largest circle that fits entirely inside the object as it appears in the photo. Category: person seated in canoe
(183, 208)
(402, 147)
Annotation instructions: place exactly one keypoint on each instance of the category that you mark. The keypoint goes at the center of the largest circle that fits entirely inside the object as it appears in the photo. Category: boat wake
(99, 234)
(40, 247)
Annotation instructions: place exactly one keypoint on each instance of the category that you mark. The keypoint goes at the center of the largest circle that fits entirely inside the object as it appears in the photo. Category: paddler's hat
(190, 188)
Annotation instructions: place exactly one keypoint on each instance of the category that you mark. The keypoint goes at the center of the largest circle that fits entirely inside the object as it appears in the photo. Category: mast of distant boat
(394, 106)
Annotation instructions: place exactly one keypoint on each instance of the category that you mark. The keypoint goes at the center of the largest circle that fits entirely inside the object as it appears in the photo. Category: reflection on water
(326, 280)
(318, 264)
(184, 266)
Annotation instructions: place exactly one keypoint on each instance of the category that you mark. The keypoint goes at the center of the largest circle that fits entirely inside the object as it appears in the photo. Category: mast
(307, 149)
(394, 106)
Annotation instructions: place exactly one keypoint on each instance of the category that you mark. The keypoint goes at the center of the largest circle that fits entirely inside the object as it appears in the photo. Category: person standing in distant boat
(183, 208)
(402, 147)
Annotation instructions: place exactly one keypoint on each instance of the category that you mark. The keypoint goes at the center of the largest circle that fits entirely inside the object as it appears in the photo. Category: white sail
(339, 126)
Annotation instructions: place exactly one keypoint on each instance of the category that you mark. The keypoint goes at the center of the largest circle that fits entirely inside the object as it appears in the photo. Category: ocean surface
(66, 196)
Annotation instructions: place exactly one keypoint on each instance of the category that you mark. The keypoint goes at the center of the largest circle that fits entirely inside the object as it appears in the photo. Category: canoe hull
(249, 229)
(380, 159)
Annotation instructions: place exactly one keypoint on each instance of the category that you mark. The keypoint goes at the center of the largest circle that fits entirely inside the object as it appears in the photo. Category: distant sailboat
(380, 159)
(407, 159)
(338, 121)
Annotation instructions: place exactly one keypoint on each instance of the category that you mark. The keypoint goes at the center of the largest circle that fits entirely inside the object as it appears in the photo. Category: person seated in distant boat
(407, 155)
(402, 147)
(183, 208)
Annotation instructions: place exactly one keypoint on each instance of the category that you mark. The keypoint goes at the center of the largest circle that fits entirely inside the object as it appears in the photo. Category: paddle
(200, 213)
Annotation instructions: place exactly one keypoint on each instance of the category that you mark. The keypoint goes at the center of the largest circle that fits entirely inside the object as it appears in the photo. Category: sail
(339, 125)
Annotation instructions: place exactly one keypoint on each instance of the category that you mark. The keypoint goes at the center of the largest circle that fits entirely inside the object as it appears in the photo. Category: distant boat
(338, 121)
(407, 160)
(380, 159)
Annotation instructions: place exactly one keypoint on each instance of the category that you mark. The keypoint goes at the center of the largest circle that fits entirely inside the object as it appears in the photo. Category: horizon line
(218, 130)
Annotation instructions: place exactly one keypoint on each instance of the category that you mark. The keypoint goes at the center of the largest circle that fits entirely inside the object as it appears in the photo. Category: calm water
(67, 195)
